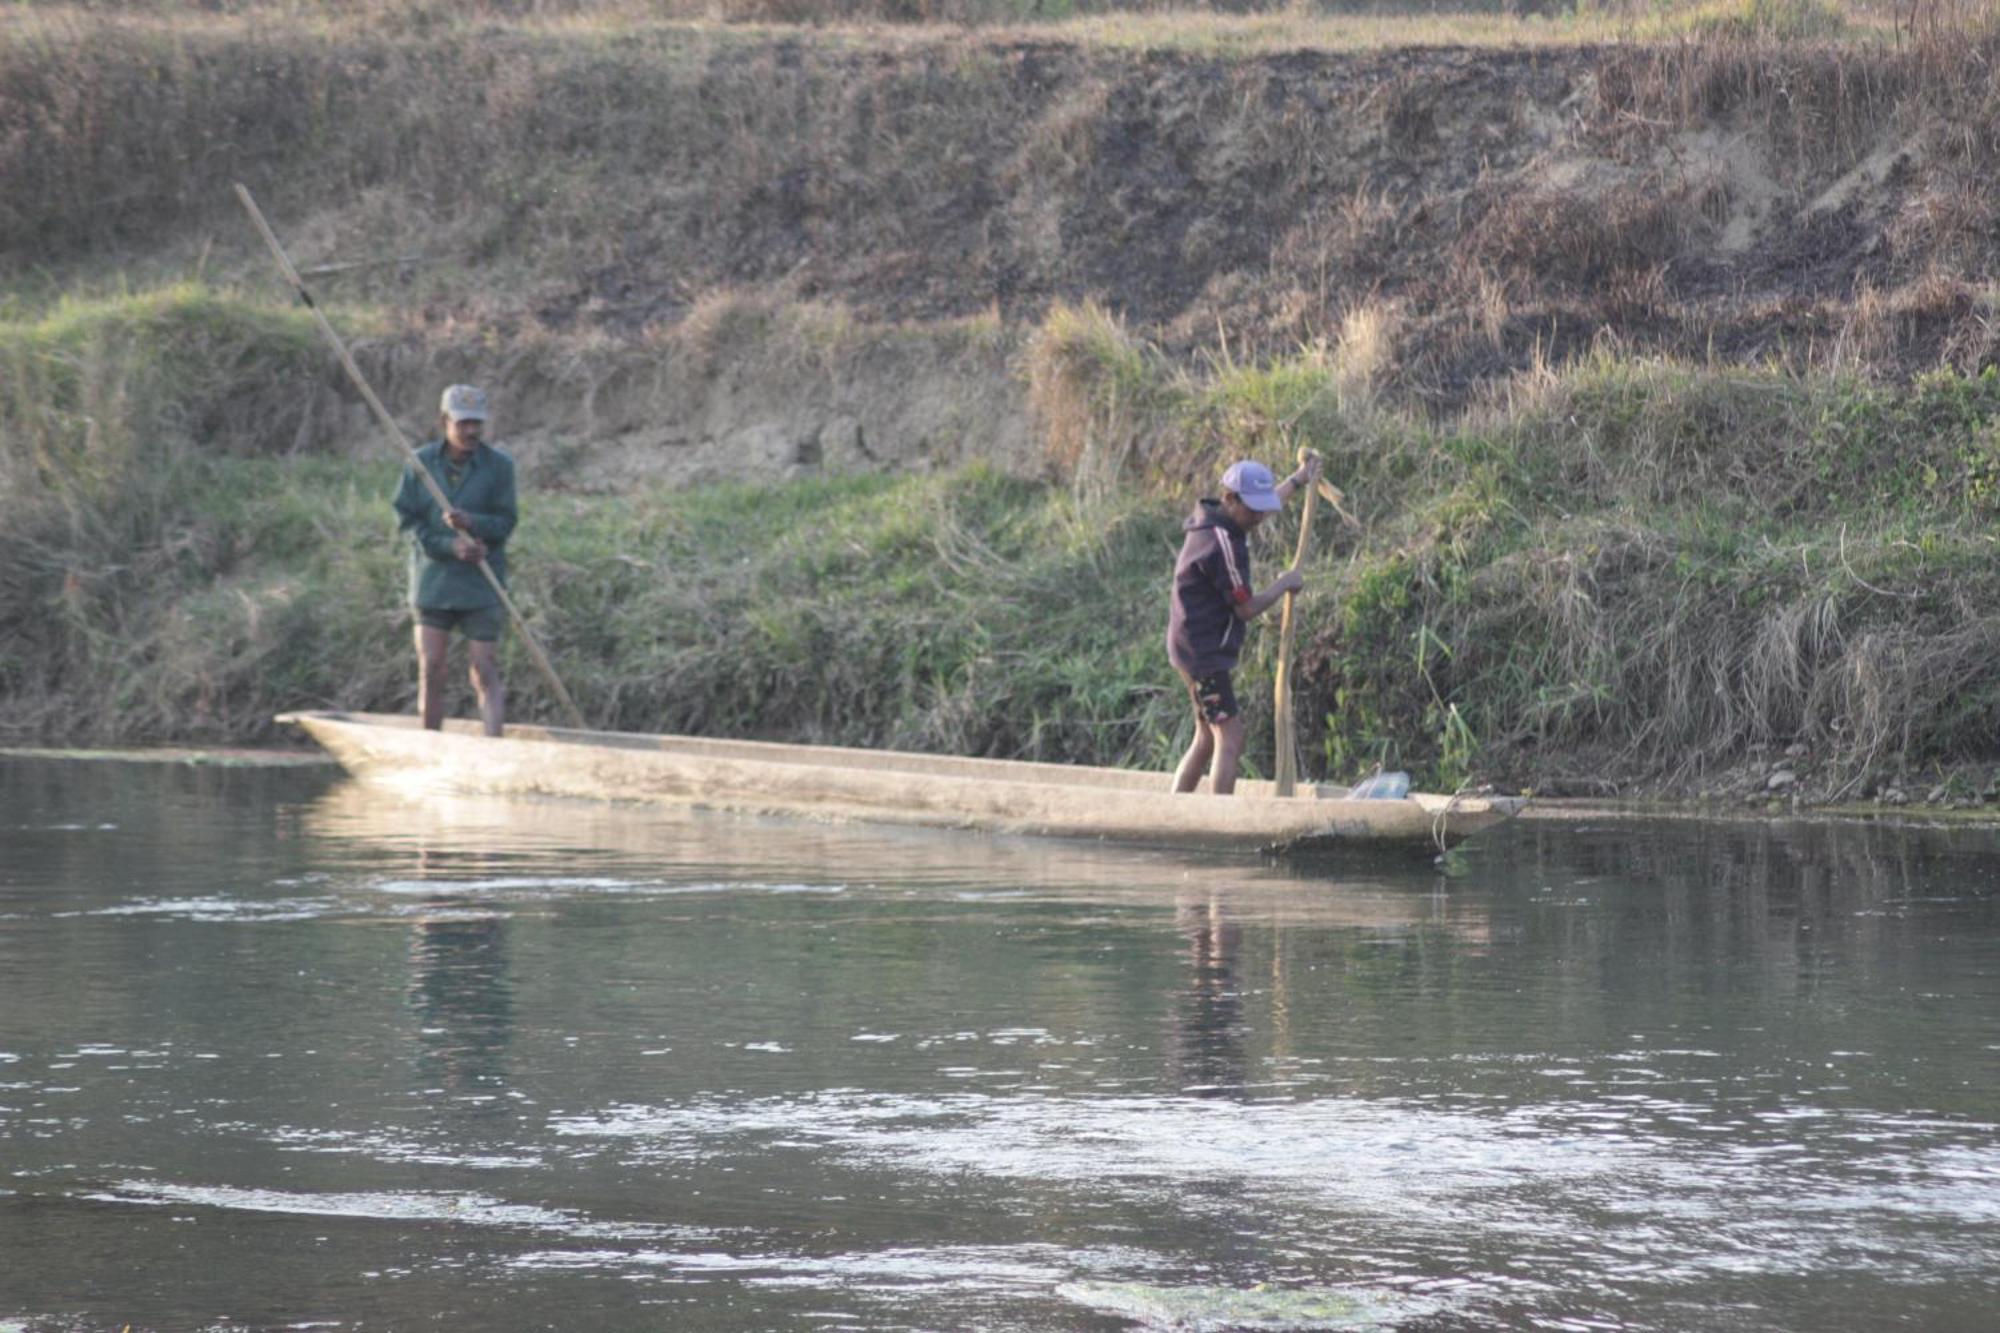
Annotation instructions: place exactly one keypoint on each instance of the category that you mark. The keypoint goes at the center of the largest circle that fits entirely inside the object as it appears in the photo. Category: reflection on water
(1209, 1039)
(276, 1049)
(693, 847)
(461, 995)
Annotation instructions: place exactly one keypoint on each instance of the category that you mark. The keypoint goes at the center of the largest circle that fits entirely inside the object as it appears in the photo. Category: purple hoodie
(1211, 578)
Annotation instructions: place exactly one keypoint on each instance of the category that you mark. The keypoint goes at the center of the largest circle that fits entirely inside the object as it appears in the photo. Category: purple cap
(1253, 485)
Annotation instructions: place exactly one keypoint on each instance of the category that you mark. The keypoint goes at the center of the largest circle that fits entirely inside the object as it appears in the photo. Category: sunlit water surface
(280, 1052)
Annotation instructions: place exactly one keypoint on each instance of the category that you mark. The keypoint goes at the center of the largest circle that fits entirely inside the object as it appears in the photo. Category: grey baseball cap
(1253, 484)
(462, 402)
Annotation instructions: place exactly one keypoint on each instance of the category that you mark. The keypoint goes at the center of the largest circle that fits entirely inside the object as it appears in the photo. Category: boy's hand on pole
(1309, 470)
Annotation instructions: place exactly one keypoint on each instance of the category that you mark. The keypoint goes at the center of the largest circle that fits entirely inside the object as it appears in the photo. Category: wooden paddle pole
(1286, 771)
(404, 447)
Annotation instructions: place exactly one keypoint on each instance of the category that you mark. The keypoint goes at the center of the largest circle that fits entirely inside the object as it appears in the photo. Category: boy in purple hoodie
(1211, 603)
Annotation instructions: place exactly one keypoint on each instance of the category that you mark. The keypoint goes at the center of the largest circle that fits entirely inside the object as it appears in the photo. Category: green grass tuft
(1755, 20)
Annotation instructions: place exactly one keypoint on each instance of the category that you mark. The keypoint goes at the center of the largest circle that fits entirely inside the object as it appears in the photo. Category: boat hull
(826, 782)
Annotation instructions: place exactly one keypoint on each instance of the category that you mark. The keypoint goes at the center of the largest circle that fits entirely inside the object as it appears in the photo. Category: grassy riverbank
(1634, 568)
(1631, 566)
(860, 375)
(157, 583)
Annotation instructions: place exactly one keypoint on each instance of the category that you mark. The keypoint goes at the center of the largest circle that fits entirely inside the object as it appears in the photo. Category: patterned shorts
(1213, 695)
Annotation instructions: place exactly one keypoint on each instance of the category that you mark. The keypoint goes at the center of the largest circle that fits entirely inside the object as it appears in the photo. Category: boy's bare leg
(1195, 762)
(1230, 736)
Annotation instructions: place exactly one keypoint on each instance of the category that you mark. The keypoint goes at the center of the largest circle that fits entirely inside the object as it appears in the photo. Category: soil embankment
(576, 209)
(1657, 369)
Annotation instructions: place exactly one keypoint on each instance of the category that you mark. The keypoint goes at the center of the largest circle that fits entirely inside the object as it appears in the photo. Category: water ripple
(392, 1205)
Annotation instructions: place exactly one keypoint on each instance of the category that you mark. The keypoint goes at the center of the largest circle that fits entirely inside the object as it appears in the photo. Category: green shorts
(482, 623)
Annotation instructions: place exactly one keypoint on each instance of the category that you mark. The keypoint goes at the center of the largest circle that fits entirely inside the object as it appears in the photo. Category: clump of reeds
(1097, 394)
(1659, 563)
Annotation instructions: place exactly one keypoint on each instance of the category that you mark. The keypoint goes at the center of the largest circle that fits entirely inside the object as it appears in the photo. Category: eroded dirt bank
(587, 216)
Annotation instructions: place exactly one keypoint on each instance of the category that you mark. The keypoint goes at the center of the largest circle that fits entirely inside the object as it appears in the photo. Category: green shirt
(484, 489)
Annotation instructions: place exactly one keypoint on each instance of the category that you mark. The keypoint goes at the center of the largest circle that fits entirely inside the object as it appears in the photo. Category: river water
(280, 1052)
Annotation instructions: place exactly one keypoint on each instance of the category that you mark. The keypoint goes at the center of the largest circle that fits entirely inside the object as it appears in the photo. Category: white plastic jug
(1382, 787)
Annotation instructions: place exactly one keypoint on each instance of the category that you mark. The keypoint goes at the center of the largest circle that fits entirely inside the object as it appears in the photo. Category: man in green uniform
(447, 590)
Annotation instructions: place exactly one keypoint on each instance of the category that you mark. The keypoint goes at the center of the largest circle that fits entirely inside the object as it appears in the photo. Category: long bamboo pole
(404, 447)
(1285, 773)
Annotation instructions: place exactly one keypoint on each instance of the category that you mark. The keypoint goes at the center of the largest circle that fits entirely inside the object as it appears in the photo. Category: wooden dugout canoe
(828, 782)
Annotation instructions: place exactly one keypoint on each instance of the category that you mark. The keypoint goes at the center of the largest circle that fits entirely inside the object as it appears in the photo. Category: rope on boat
(1443, 817)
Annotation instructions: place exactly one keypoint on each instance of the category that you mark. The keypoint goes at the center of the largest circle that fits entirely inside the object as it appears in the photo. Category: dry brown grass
(1248, 27)
(1572, 242)
(931, 175)
(1366, 355)
(1818, 101)
(1101, 398)
(1614, 640)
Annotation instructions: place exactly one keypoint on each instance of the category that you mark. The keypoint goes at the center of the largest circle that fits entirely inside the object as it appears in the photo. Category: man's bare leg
(433, 651)
(487, 685)
(1195, 762)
